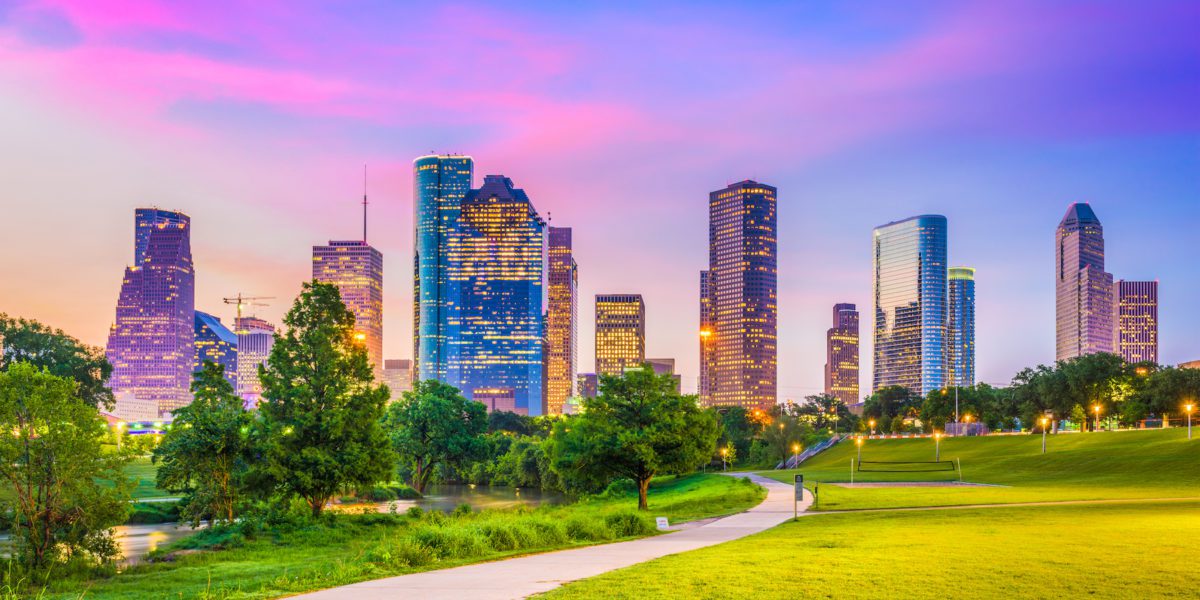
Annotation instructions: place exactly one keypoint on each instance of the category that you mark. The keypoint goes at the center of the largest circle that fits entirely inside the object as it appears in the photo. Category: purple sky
(256, 119)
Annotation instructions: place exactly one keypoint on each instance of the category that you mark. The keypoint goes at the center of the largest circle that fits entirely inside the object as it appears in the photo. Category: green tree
(51, 460)
(1096, 380)
(887, 403)
(637, 427)
(319, 425)
(434, 426)
(205, 452)
(737, 430)
(23, 340)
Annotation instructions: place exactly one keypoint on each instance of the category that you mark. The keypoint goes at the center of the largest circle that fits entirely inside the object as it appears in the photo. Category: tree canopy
(434, 426)
(24, 340)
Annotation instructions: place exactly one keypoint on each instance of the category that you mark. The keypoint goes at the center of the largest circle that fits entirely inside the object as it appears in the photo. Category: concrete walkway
(527, 575)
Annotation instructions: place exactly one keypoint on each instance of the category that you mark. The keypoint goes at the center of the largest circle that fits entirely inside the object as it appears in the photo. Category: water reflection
(445, 497)
(135, 541)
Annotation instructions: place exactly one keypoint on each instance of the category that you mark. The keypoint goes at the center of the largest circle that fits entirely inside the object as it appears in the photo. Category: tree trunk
(317, 505)
(643, 488)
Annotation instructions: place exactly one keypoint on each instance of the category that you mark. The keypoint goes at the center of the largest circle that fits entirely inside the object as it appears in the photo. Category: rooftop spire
(364, 203)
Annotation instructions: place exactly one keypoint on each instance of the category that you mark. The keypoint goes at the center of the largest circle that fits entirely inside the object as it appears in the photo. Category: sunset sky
(256, 119)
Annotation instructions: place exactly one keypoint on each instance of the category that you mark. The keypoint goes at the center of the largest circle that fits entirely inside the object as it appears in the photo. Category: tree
(51, 460)
(737, 430)
(503, 420)
(28, 341)
(637, 427)
(887, 403)
(205, 452)
(1095, 380)
(319, 425)
(826, 411)
(432, 426)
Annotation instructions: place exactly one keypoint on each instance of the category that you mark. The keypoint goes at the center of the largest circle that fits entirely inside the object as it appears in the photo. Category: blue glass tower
(910, 304)
(960, 327)
(216, 343)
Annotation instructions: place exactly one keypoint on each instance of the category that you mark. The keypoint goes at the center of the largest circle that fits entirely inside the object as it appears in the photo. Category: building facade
(1083, 290)
(741, 318)
(1135, 320)
(960, 328)
(841, 355)
(587, 385)
(357, 270)
(910, 291)
(398, 375)
(620, 333)
(216, 343)
(666, 366)
(562, 316)
(255, 338)
(151, 345)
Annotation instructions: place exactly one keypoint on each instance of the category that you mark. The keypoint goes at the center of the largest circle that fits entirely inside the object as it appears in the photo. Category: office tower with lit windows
(910, 304)
(960, 327)
(397, 375)
(841, 355)
(440, 183)
(1135, 320)
(739, 303)
(562, 311)
(356, 269)
(495, 290)
(1083, 290)
(255, 338)
(620, 333)
(216, 343)
(152, 343)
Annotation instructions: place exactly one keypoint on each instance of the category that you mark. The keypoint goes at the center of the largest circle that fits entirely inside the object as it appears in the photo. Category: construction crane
(241, 301)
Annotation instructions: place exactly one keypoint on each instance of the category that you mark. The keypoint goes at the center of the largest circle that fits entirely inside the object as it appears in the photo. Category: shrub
(548, 532)
(451, 541)
(414, 512)
(404, 553)
(461, 510)
(500, 536)
(144, 513)
(619, 488)
(586, 529)
(626, 524)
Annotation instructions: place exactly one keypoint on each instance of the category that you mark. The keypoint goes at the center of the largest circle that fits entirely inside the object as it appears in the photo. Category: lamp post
(937, 445)
(1188, 408)
(795, 455)
(967, 419)
(872, 423)
(724, 453)
(1044, 421)
(1096, 409)
(859, 442)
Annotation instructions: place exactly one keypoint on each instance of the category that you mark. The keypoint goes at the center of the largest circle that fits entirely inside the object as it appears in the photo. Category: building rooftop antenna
(364, 203)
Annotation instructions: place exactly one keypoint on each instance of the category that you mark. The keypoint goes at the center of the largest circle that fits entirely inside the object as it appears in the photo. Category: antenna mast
(364, 203)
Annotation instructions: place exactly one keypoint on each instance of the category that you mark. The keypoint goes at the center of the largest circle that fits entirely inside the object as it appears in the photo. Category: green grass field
(1107, 465)
(1141, 550)
(143, 473)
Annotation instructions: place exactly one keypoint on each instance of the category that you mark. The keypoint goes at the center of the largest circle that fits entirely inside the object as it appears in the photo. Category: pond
(135, 541)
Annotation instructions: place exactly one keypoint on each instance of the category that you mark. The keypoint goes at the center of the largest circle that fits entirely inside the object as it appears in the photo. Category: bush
(451, 541)
(461, 510)
(414, 512)
(386, 493)
(619, 488)
(627, 524)
(500, 536)
(144, 513)
(404, 553)
(586, 529)
(548, 531)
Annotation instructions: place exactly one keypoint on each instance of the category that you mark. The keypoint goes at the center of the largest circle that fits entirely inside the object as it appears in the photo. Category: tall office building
(152, 343)
(960, 328)
(493, 320)
(740, 320)
(440, 182)
(562, 311)
(357, 270)
(666, 366)
(910, 304)
(255, 338)
(1083, 290)
(397, 374)
(620, 332)
(587, 385)
(1135, 320)
(216, 343)
(841, 355)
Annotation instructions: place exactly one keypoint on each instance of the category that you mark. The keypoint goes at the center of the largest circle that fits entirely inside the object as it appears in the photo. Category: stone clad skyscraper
(739, 316)
(562, 330)
(356, 269)
(620, 333)
(1083, 290)
(151, 344)
(960, 328)
(841, 355)
(1135, 320)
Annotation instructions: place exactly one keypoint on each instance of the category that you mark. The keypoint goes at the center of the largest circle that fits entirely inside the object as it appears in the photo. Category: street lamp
(1044, 422)
(724, 453)
(859, 441)
(1096, 409)
(795, 455)
(967, 419)
(937, 441)
(872, 422)
(1188, 408)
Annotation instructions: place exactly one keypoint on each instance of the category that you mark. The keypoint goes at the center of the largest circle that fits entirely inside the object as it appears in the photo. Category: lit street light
(1096, 409)
(859, 441)
(872, 422)
(937, 445)
(724, 453)
(795, 455)
(967, 420)
(1043, 421)
(1188, 408)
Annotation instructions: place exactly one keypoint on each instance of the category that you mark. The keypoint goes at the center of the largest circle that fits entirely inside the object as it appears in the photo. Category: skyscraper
(397, 374)
(255, 337)
(960, 328)
(666, 366)
(561, 319)
(910, 304)
(1083, 290)
(841, 355)
(620, 332)
(740, 319)
(357, 270)
(440, 182)
(216, 343)
(1135, 320)
(494, 292)
(151, 344)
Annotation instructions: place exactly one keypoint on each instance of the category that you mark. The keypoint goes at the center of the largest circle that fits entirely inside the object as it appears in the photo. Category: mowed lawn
(1159, 463)
(1136, 550)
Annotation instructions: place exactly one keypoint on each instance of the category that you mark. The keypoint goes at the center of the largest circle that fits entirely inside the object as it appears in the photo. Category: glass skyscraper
(1083, 290)
(256, 337)
(620, 333)
(910, 304)
(960, 328)
(216, 343)
(151, 344)
(357, 270)
(562, 311)
(1135, 320)
(841, 354)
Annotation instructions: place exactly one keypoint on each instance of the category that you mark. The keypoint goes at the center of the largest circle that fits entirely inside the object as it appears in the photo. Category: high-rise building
(910, 304)
(216, 343)
(960, 327)
(740, 319)
(397, 374)
(587, 385)
(255, 338)
(1083, 290)
(620, 332)
(152, 343)
(498, 399)
(440, 182)
(666, 366)
(356, 269)
(841, 355)
(561, 319)
(1135, 320)
(495, 289)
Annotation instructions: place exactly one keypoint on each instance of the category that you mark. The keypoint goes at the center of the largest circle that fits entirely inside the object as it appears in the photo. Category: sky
(256, 119)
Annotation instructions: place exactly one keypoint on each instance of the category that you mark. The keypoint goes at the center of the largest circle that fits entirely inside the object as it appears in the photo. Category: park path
(524, 576)
(1000, 505)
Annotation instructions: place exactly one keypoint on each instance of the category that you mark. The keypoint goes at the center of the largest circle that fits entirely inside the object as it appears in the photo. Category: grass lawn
(1159, 463)
(1142, 550)
(143, 473)
(360, 547)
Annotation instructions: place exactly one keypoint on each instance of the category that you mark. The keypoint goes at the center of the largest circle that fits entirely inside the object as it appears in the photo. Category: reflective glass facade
(1083, 290)
(841, 354)
(960, 328)
(1135, 320)
(910, 304)
(562, 310)
(397, 374)
(216, 343)
(357, 270)
(708, 340)
(620, 333)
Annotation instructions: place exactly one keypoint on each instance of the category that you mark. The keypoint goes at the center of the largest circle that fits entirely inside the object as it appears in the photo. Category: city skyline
(264, 175)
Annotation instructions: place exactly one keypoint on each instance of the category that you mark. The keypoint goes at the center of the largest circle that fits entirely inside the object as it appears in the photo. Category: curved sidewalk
(536, 573)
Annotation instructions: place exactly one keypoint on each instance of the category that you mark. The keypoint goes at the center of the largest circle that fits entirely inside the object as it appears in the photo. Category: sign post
(799, 485)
